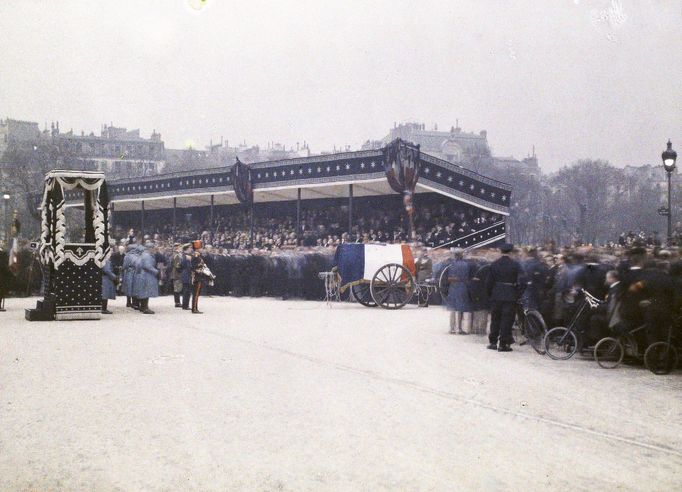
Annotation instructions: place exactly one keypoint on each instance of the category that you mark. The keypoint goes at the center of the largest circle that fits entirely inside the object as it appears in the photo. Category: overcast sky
(575, 78)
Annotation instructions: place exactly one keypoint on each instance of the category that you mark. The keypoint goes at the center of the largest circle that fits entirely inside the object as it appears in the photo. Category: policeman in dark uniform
(503, 287)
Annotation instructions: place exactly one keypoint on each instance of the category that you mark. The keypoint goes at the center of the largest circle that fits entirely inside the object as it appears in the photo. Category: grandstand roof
(321, 176)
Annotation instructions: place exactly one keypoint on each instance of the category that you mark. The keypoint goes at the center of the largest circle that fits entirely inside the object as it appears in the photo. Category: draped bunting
(242, 182)
(402, 163)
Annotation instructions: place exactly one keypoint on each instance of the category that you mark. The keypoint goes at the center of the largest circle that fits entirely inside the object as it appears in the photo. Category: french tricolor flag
(357, 262)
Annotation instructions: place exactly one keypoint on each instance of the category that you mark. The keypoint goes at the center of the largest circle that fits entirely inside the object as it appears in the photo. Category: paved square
(261, 394)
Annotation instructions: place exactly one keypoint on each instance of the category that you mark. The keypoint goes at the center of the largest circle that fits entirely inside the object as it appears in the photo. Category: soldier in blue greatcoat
(459, 299)
(146, 284)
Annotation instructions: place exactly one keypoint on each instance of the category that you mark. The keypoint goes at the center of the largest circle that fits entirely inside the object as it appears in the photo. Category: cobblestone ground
(260, 394)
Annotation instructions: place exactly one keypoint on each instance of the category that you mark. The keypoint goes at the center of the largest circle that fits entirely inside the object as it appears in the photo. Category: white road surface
(262, 394)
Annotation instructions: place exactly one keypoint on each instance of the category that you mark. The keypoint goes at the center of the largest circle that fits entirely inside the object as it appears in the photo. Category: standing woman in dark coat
(459, 301)
(6, 278)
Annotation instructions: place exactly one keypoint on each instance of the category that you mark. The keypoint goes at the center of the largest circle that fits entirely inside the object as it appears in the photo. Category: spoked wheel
(560, 343)
(660, 358)
(535, 330)
(392, 286)
(362, 294)
(443, 284)
(609, 352)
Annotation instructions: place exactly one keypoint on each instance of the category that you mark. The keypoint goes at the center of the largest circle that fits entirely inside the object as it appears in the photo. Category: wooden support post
(350, 212)
(298, 217)
(175, 206)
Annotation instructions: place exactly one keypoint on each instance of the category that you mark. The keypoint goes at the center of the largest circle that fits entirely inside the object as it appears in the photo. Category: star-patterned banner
(348, 167)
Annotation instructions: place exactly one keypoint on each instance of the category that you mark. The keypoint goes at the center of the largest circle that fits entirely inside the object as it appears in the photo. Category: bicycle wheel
(660, 358)
(609, 352)
(443, 284)
(535, 330)
(560, 343)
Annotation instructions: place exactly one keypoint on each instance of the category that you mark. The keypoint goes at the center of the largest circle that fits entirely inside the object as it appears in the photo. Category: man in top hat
(504, 287)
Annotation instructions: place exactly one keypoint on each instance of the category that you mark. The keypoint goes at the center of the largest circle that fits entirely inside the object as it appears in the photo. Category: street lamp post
(669, 156)
(5, 202)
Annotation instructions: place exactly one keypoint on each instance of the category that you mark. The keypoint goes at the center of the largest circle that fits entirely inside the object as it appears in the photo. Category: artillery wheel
(392, 286)
(362, 294)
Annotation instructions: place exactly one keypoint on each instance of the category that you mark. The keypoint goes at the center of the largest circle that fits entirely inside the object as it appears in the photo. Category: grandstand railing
(487, 235)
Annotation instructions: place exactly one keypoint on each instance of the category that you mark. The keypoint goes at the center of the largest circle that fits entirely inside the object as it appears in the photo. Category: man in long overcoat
(146, 283)
(128, 272)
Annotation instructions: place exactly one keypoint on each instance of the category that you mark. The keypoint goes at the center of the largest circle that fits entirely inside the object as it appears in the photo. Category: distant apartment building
(470, 150)
(222, 154)
(17, 132)
(115, 150)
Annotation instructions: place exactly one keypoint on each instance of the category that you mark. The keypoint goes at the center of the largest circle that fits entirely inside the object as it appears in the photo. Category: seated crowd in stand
(376, 219)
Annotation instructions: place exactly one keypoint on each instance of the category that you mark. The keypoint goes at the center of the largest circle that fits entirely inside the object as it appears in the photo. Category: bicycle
(532, 326)
(561, 343)
(662, 357)
(609, 352)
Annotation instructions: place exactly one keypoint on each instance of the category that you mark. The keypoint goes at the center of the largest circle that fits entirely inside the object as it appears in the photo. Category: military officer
(198, 277)
(503, 287)
(186, 275)
(176, 273)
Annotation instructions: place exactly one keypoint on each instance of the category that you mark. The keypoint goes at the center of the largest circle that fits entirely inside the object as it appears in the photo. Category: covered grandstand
(349, 177)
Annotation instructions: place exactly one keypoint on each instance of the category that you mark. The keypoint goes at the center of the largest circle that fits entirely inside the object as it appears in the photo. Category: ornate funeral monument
(72, 258)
